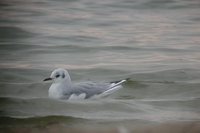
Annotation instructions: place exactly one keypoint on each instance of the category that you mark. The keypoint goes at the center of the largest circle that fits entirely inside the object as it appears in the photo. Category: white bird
(63, 88)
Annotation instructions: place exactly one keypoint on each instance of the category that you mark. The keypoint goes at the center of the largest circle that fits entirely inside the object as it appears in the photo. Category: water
(153, 42)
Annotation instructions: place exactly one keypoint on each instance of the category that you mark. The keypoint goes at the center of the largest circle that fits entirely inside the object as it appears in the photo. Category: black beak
(47, 79)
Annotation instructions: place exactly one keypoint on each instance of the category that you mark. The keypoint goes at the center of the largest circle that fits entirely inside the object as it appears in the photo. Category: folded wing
(91, 89)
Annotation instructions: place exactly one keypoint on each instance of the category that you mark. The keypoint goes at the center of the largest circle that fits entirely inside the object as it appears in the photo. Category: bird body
(63, 88)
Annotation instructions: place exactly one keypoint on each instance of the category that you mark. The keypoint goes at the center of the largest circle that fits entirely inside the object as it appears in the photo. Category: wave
(157, 110)
(39, 120)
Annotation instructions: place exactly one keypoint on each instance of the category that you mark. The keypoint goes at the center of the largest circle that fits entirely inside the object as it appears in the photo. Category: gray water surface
(153, 42)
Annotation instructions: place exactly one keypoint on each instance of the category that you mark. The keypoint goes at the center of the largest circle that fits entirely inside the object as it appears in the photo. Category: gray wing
(90, 88)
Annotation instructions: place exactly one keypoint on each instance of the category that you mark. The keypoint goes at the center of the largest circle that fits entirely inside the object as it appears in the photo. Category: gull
(63, 88)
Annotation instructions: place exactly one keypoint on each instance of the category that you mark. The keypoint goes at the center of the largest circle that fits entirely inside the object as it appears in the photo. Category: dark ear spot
(63, 75)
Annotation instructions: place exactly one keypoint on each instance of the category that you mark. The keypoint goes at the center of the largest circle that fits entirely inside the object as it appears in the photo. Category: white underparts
(77, 97)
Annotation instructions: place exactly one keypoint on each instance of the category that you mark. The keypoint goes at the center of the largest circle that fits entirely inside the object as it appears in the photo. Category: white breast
(55, 91)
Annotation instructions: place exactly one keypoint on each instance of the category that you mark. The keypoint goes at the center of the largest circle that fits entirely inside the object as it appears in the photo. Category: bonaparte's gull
(63, 88)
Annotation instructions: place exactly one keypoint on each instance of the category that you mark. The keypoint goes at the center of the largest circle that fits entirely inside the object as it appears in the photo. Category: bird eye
(57, 76)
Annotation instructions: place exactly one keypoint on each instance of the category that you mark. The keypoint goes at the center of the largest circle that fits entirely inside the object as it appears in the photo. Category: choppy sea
(155, 43)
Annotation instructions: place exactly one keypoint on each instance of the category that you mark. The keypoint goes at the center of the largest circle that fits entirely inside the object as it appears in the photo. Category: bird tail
(116, 85)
